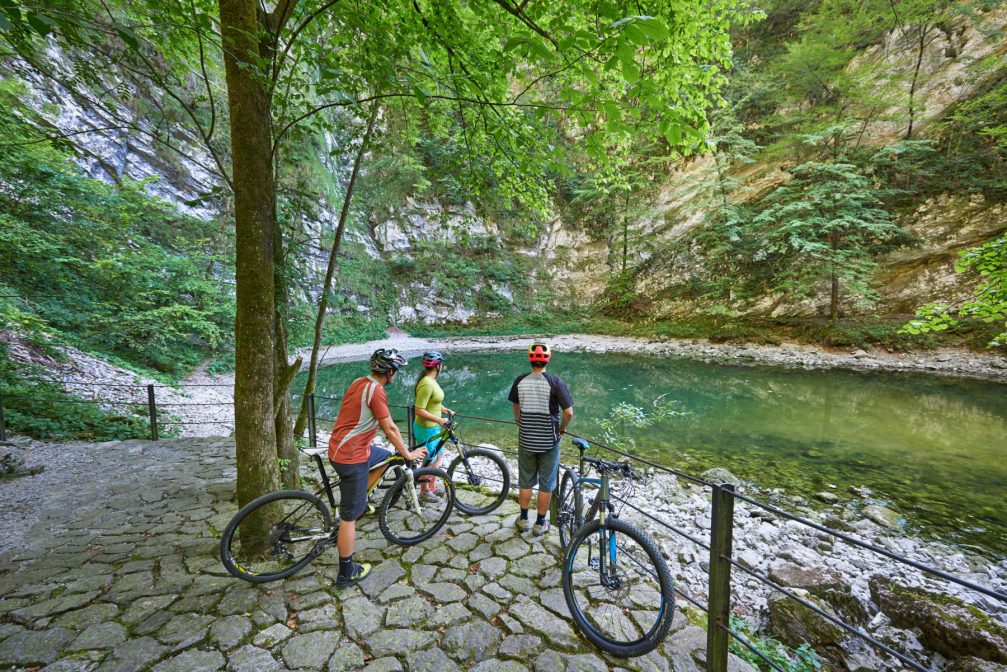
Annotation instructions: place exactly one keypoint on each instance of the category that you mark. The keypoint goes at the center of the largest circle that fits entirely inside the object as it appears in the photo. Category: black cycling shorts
(353, 483)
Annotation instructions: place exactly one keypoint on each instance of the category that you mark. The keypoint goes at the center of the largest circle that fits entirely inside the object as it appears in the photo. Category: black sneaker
(358, 574)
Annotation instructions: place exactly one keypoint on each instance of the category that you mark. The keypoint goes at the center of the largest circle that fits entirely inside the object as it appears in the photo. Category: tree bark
(286, 451)
(834, 301)
(924, 29)
(323, 300)
(254, 222)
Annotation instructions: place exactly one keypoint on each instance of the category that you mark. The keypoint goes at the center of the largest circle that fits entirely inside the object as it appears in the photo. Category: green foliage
(108, 268)
(826, 224)
(627, 416)
(801, 659)
(988, 303)
(43, 410)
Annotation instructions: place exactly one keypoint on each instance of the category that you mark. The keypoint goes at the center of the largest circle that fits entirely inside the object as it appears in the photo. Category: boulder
(795, 624)
(882, 516)
(720, 475)
(815, 580)
(972, 664)
(946, 624)
(823, 583)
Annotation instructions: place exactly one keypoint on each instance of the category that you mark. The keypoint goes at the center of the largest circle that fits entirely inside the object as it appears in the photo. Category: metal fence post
(3, 427)
(721, 537)
(312, 430)
(410, 417)
(152, 410)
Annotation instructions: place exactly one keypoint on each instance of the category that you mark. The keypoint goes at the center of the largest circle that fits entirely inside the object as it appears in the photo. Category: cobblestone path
(120, 572)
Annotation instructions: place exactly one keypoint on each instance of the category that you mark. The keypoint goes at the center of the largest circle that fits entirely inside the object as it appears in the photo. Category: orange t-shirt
(364, 403)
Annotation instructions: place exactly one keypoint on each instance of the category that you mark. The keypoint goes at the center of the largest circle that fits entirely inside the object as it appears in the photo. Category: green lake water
(932, 448)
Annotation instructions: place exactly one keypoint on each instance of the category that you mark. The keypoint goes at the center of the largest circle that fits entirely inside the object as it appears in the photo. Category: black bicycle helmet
(384, 360)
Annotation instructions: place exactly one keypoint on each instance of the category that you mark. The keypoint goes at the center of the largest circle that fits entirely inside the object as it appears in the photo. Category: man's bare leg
(524, 497)
(544, 497)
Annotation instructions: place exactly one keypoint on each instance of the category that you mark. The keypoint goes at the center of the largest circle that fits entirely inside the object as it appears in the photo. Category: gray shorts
(353, 483)
(540, 469)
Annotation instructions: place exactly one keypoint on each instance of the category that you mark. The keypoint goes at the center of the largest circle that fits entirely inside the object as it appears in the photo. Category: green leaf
(654, 29)
(128, 36)
(630, 71)
(514, 42)
(41, 24)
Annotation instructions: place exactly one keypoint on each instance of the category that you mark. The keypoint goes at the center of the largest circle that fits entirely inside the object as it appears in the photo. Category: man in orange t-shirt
(363, 410)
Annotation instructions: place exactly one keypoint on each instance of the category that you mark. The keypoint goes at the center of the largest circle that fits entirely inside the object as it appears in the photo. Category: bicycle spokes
(615, 587)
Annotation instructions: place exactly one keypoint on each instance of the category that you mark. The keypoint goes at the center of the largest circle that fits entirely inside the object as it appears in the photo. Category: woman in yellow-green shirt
(429, 407)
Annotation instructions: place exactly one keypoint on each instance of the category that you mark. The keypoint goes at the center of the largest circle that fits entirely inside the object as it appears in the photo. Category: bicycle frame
(394, 461)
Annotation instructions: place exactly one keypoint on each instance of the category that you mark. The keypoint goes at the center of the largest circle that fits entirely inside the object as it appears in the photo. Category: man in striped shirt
(538, 398)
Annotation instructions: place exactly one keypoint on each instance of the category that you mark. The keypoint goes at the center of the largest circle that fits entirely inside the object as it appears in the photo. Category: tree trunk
(254, 221)
(286, 451)
(924, 29)
(323, 300)
(834, 302)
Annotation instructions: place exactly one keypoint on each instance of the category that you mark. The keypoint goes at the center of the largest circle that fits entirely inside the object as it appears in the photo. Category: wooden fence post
(719, 616)
(312, 429)
(152, 410)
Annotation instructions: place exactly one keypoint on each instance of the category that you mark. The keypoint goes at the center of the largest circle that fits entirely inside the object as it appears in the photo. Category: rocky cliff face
(564, 264)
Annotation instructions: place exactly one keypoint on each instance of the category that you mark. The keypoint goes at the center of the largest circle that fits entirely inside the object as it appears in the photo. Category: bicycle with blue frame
(616, 583)
(480, 476)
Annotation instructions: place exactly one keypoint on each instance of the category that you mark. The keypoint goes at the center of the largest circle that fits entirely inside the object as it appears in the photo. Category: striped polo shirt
(363, 405)
(540, 396)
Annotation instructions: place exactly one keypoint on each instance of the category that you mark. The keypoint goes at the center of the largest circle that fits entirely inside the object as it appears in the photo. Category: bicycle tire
(568, 509)
(503, 481)
(659, 631)
(396, 493)
(230, 541)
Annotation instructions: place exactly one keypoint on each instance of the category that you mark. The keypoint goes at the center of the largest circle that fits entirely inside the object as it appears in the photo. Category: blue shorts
(353, 483)
(540, 469)
(424, 438)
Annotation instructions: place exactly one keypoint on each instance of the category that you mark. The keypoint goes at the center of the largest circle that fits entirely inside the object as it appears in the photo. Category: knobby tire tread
(228, 536)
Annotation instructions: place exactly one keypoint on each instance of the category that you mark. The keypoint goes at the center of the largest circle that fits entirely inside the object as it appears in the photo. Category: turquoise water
(933, 448)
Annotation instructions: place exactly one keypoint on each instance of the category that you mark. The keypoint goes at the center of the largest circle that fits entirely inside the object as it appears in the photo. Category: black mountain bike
(616, 584)
(277, 534)
(480, 476)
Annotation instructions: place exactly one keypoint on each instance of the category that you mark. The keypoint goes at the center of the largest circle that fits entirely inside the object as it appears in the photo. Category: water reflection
(935, 447)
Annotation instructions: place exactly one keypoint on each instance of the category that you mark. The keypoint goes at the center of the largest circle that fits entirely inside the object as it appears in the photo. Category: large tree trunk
(254, 222)
(323, 300)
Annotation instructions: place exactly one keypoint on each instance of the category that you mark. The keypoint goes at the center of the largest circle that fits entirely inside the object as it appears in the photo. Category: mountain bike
(278, 534)
(616, 584)
(480, 476)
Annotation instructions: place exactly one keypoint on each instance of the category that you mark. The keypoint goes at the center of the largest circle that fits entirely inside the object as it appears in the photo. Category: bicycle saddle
(580, 443)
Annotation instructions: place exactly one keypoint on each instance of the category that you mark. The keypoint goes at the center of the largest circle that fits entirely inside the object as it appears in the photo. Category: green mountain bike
(278, 534)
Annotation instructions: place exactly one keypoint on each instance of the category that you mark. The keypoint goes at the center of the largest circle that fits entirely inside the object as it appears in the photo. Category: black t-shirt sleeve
(562, 394)
(512, 397)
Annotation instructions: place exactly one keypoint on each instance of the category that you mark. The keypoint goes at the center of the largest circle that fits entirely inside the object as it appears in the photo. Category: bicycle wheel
(275, 535)
(568, 519)
(622, 599)
(481, 480)
(405, 518)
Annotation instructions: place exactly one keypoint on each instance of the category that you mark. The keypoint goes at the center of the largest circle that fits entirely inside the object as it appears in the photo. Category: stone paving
(120, 572)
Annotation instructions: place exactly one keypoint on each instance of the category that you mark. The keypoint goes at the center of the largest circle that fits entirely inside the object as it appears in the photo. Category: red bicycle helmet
(539, 353)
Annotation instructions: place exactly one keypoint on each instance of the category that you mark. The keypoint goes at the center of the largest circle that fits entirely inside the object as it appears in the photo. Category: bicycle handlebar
(602, 465)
